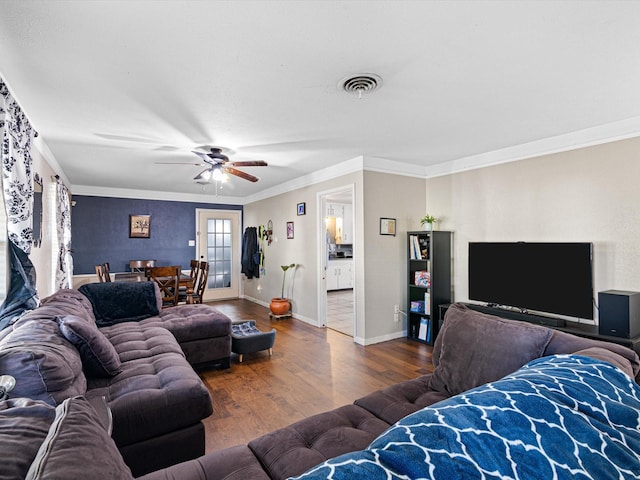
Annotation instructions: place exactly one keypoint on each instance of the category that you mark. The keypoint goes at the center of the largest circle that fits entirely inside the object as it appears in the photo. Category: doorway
(337, 305)
(218, 241)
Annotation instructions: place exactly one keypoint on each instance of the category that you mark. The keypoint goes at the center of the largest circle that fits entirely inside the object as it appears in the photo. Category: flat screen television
(547, 277)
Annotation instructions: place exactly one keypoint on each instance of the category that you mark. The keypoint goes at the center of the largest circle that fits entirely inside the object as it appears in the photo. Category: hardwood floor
(312, 370)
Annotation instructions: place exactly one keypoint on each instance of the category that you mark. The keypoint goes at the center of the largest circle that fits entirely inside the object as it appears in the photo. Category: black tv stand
(517, 314)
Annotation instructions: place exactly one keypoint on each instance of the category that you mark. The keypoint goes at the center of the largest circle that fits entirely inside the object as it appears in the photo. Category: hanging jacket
(249, 248)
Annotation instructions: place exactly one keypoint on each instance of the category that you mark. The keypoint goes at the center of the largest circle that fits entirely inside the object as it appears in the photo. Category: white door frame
(322, 255)
(236, 246)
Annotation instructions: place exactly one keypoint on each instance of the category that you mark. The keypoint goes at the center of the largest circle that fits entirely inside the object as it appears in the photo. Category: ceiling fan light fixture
(204, 177)
(217, 174)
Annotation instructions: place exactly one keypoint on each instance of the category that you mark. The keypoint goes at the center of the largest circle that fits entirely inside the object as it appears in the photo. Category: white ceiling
(116, 87)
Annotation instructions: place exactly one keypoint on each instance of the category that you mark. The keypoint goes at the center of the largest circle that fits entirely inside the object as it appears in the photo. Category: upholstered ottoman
(246, 338)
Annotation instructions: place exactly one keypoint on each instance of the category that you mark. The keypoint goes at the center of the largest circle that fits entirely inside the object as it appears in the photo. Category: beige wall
(380, 276)
(590, 194)
(43, 257)
(301, 250)
(385, 257)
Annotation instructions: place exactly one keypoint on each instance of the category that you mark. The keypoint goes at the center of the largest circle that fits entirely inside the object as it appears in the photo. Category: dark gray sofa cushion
(24, 424)
(47, 367)
(397, 401)
(474, 348)
(608, 356)
(562, 342)
(77, 447)
(66, 301)
(98, 355)
(115, 302)
(294, 449)
(156, 392)
(192, 322)
(233, 463)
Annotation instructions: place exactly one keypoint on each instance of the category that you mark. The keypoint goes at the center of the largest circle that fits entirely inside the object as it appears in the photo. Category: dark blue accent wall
(100, 232)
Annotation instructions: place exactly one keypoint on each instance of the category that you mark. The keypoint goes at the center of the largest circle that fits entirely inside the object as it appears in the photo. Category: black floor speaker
(619, 313)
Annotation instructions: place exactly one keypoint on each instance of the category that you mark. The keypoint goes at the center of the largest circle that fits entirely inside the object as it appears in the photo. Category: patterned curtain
(17, 183)
(63, 221)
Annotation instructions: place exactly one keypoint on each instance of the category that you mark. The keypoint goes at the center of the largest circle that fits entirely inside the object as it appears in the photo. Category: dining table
(183, 281)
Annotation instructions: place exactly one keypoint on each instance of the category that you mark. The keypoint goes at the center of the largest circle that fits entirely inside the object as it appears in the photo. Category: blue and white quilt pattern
(558, 417)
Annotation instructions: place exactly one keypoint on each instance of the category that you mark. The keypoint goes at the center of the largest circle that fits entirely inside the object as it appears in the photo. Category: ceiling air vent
(361, 83)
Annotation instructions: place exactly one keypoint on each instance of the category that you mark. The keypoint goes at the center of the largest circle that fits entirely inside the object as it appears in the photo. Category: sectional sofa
(505, 399)
(113, 343)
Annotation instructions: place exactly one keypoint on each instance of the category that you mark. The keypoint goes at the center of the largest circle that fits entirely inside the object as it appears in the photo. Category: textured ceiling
(116, 88)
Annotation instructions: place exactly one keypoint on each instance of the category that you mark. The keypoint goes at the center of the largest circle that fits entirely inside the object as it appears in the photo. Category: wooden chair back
(139, 266)
(102, 271)
(194, 265)
(200, 283)
(168, 279)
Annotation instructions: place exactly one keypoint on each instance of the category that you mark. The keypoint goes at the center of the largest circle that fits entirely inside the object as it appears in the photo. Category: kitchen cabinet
(347, 224)
(339, 274)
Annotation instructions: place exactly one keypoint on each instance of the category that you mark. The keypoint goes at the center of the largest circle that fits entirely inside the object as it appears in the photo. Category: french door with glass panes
(219, 243)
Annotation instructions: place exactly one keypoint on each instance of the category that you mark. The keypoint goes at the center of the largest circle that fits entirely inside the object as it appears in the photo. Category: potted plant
(427, 221)
(281, 305)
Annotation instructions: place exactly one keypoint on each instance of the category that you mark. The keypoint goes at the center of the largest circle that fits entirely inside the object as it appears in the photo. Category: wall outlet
(396, 313)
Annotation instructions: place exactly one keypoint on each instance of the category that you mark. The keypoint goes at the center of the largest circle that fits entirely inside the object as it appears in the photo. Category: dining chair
(102, 271)
(168, 279)
(194, 276)
(138, 266)
(201, 285)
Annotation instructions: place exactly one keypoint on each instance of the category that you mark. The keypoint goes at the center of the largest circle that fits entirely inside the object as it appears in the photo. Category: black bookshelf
(429, 260)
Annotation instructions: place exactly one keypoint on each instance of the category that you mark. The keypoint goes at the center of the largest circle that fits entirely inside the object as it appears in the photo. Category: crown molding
(48, 156)
(357, 164)
(93, 191)
(588, 137)
(344, 168)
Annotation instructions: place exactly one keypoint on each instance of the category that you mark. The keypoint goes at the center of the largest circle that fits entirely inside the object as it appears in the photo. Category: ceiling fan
(219, 164)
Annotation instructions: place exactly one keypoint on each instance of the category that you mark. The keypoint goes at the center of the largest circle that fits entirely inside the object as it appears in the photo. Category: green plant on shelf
(428, 219)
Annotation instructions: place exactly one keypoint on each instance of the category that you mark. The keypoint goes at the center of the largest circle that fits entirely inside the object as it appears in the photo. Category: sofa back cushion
(115, 302)
(24, 425)
(66, 301)
(98, 355)
(474, 348)
(562, 342)
(46, 366)
(77, 447)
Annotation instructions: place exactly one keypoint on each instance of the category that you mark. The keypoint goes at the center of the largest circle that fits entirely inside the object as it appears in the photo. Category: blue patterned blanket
(564, 417)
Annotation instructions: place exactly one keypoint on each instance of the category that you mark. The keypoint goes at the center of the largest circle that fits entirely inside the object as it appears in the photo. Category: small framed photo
(139, 226)
(289, 229)
(388, 226)
(302, 208)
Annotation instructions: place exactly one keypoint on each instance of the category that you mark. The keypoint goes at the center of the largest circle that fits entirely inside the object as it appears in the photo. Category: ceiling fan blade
(255, 163)
(181, 163)
(206, 157)
(241, 174)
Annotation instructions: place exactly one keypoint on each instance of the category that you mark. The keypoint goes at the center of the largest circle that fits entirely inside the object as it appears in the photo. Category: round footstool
(246, 338)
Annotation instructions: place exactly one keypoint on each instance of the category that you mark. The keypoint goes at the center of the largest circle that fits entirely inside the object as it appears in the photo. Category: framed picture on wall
(302, 208)
(139, 226)
(289, 229)
(388, 226)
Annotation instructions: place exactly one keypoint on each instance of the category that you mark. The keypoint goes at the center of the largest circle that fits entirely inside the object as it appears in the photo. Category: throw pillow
(24, 424)
(98, 354)
(474, 348)
(78, 447)
(116, 302)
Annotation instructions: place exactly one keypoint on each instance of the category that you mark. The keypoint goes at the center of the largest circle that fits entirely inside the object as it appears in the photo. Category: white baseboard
(382, 338)
(297, 316)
